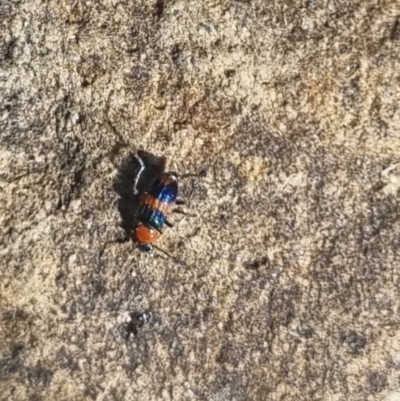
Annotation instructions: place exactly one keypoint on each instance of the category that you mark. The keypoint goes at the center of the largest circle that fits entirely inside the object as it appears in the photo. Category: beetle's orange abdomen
(156, 205)
(146, 235)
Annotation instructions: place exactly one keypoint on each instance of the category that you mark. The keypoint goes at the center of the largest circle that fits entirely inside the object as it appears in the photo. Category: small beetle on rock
(155, 205)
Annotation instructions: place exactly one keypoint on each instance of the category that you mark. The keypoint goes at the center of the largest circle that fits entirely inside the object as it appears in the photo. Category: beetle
(155, 205)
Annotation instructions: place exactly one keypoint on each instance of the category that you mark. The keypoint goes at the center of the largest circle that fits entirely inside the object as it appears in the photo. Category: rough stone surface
(285, 282)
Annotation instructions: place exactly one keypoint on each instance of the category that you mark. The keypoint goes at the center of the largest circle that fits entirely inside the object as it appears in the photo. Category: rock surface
(284, 278)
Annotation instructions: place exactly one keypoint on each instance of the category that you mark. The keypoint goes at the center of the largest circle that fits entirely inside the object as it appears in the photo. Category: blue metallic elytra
(165, 188)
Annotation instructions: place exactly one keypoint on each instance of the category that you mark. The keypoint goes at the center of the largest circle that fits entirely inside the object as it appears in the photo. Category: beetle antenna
(169, 255)
(202, 173)
(142, 167)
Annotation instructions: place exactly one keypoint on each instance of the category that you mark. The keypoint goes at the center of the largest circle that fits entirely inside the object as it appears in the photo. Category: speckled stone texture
(283, 280)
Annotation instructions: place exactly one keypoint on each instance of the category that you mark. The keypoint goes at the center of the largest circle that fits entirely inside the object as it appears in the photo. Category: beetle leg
(180, 202)
(169, 224)
(179, 211)
(158, 230)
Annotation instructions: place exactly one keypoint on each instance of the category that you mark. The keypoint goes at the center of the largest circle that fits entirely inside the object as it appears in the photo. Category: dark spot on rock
(66, 361)
(175, 53)
(305, 333)
(18, 315)
(356, 342)
(395, 31)
(91, 391)
(10, 365)
(255, 264)
(159, 8)
(376, 381)
(205, 26)
(16, 350)
(229, 73)
(39, 376)
(228, 354)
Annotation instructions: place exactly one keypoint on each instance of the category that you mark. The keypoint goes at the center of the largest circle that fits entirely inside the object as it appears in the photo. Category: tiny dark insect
(136, 320)
(156, 203)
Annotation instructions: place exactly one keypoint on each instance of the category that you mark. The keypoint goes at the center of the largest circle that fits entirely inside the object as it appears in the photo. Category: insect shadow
(128, 204)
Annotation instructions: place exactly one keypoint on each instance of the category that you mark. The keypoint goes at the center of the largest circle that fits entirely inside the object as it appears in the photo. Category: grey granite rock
(285, 282)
